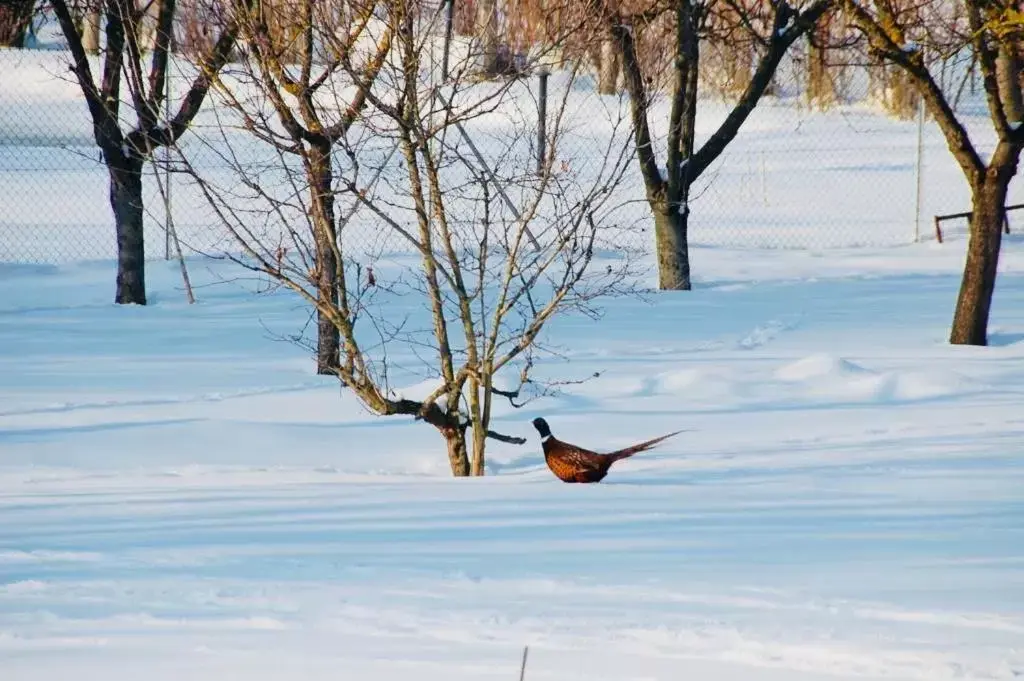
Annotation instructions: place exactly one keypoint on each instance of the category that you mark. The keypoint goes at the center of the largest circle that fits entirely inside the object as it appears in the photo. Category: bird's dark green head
(542, 427)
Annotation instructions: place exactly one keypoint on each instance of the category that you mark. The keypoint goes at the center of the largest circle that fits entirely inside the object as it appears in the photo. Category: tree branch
(789, 24)
(209, 66)
(987, 57)
(888, 43)
(638, 103)
(510, 439)
(161, 56)
(106, 131)
(113, 58)
(510, 395)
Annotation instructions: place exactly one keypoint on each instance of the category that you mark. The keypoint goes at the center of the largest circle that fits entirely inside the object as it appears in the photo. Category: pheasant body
(571, 463)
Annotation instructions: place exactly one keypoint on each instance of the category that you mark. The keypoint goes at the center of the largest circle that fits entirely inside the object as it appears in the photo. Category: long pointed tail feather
(641, 447)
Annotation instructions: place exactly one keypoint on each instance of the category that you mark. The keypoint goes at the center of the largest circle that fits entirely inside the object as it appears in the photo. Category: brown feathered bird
(575, 464)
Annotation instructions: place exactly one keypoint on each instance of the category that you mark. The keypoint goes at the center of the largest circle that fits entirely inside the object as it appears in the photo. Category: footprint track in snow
(765, 333)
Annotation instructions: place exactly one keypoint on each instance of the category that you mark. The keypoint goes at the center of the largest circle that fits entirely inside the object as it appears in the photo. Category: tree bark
(609, 68)
(487, 35)
(328, 345)
(126, 202)
(970, 321)
(91, 31)
(739, 64)
(148, 26)
(478, 464)
(895, 91)
(1008, 77)
(458, 454)
(821, 92)
(670, 236)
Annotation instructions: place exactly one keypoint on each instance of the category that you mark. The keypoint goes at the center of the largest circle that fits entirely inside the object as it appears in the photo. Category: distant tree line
(823, 64)
(917, 54)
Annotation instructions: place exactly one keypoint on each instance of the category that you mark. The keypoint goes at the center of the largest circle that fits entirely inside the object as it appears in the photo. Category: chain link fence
(794, 178)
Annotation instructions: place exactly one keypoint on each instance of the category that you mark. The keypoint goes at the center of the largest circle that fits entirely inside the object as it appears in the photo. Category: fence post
(918, 170)
(542, 117)
(449, 18)
(168, 224)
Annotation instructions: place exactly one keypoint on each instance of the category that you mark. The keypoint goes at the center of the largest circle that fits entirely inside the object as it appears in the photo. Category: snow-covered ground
(181, 498)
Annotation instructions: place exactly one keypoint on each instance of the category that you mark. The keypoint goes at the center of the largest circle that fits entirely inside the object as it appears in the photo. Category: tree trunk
(478, 464)
(126, 201)
(673, 252)
(91, 31)
(738, 64)
(821, 92)
(970, 322)
(463, 18)
(609, 68)
(894, 90)
(988, 216)
(328, 345)
(1008, 77)
(458, 454)
(15, 20)
(487, 35)
(148, 26)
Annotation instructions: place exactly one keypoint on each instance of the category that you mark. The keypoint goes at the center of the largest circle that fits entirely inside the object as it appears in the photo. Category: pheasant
(575, 464)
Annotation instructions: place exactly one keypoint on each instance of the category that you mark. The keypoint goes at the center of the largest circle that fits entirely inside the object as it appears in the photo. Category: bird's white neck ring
(546, 438)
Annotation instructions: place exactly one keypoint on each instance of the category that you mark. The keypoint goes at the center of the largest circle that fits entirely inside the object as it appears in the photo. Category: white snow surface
(181, 498)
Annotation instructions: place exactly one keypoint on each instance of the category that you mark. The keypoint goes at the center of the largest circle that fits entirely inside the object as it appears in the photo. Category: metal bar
(497, 183)
(449, 18)
(951, 216)
(522, 667)
(344, 219)
(542, 118)
(168, 222)
(967, 214)
(918, 170)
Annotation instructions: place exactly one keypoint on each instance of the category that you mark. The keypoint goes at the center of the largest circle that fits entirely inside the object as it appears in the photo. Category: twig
(522, 669)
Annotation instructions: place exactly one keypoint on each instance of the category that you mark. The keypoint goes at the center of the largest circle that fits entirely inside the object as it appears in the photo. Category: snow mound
(684, 379)
(826, 376)
(707, 384)
(922, 385)
(817, 366)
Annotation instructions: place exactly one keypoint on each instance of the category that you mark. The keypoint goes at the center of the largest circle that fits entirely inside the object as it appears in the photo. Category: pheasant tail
(641, 447)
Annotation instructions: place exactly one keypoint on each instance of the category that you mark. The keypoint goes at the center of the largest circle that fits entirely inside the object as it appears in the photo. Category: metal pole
(487, 169)
(449, 11)
(168, 226)
(497, 183)
(918, 170)
(542, 118)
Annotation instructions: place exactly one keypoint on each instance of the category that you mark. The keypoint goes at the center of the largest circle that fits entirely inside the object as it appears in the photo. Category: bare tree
(125, 75)
(295, 48)
(774, 28)
(444, 268)
(15, 21)
(905, 37)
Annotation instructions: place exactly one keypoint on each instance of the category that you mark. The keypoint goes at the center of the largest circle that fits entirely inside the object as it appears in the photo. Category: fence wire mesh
(794, 178)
